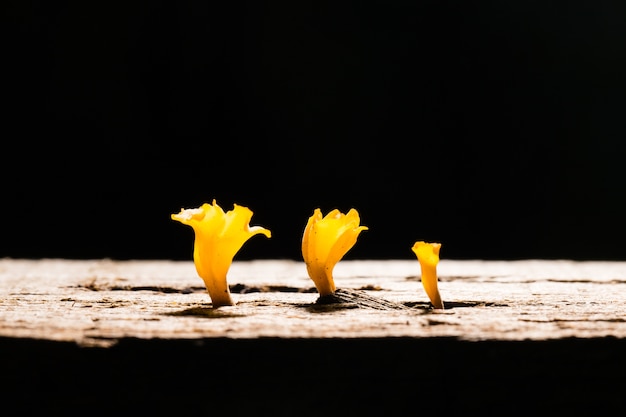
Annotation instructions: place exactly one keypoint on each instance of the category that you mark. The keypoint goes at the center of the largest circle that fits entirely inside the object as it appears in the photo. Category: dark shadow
(205, 312)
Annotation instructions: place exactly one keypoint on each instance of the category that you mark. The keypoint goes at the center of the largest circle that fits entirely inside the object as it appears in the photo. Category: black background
(495, 128)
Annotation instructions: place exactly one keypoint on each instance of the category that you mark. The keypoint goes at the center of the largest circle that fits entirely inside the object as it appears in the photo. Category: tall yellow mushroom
(218, 237)
(325, 241)
(428, 257)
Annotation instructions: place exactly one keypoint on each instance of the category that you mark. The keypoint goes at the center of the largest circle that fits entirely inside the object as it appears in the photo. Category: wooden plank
(141, 337)
(99, 302)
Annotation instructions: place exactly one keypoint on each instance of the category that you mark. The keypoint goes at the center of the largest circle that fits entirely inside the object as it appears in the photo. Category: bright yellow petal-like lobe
(325, 241)
(236, 232)
(346, 237)
(307, 248)
(218, 238)
(428, 257)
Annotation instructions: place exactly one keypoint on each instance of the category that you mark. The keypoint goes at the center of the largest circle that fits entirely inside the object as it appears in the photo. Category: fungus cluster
(219, 235)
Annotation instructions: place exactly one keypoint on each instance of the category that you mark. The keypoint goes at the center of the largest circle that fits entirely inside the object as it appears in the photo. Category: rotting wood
(351, 298)
(99, 302)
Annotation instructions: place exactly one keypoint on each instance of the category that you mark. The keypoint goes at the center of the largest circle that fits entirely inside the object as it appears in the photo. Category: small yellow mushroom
(325, 241)
(428, 257)
(218, 238)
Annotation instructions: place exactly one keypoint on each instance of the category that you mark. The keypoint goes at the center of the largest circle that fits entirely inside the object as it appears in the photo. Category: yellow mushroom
(218, 237)
(428, 257)
(325, 241)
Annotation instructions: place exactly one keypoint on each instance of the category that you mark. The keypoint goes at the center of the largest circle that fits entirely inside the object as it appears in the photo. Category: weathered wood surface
(99, 302)
(141, 338)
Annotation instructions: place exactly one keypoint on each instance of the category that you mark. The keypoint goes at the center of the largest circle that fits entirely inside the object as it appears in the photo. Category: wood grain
(99, 302)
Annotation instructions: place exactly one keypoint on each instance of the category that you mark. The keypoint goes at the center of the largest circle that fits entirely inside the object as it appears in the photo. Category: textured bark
(141, 338)
(100, 302)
